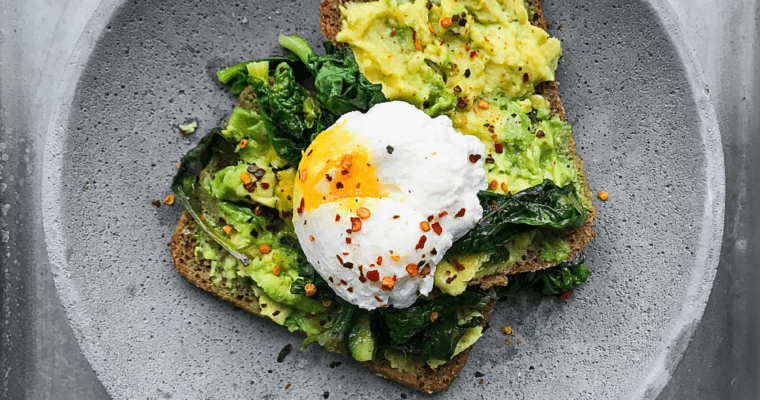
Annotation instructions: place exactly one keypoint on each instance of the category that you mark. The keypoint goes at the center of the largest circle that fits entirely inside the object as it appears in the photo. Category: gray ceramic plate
(646, 132)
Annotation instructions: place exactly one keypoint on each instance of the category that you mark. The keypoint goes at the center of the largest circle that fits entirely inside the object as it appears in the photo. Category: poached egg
(380, 197)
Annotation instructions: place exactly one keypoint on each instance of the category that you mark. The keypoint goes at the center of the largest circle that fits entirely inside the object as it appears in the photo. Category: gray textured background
(40, 358)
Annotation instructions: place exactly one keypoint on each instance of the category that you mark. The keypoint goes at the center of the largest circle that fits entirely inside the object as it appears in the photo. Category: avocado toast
(204, 262)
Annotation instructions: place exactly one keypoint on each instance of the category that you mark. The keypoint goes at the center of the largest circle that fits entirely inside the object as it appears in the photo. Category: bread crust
(197, 271)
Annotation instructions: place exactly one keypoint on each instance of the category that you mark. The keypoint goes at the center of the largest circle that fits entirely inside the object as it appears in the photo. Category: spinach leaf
(506, 215)
(336, 338)
(412, 330)
(282, 105)
(560, 279)
(550, 281)
(307, 274)
(237, 75)
(184, 184)
(340, 86)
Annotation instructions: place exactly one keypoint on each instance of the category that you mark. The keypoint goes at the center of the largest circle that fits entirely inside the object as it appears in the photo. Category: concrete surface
(41, 360)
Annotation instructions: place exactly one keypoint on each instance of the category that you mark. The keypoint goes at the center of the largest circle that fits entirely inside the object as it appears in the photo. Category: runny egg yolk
(337, 165)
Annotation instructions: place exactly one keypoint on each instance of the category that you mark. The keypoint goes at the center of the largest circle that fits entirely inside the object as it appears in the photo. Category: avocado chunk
(360, 340)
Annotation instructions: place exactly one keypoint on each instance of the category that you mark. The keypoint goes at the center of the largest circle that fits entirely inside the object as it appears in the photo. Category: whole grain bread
(428, 380)
(197, 271)
(330, 24)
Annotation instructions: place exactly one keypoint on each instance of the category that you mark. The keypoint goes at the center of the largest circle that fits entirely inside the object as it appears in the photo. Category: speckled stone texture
(645, 134)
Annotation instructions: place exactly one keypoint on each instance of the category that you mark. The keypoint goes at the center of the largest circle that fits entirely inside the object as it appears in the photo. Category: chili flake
(395, 257)
(169, 200)
(425, 226)
(265, 249)
(433, 316)
(363, 213)
(156, 203)
(388, 283)
(494, 184)
(603, 196)
(356, 224)
(243, 143)
(474, 158)
(276, 270)
(373, 275)
(310, 289)
(460, 213)
(445, 22)
(504, 187)
(227, 229)
(421, 243)
(412, 269)
(437, 228)
(311, 238)
(498, 147)
(245, 177)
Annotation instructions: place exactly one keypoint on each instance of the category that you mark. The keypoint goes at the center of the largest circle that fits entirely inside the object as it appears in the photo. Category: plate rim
(708, 254)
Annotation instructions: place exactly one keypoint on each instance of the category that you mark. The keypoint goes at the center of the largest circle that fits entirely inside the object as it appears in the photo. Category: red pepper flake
(350, 289)
(425, 226)
(460, 213)
(425, 271)
(430, 218)
(363, 213)
(461, 103)
(443, 214)
(287, 214)
(379, 260)
(433, 316)
(310, 151)
(414, 38)
(451, 279)
(473, 54)
(458, 265)
(337, 217)
(156, 203)
(499, 147)
(348, 265)
(396, 216)
(328, 177)
(344, 172)
(540, 134)
(311, 238)
(356, 224)
(437, 228)
(421, 243)
(412, 269)
(348, 240)
(339, 185)
(378, 299)
(474, 158)
(276, 313)
(264, 185)
(388, 283)
(445, 22)
(340, 260)
(491, 129)
(457, 89)
(301, 206)
(373, 275)
(526, 77)
(566, 295)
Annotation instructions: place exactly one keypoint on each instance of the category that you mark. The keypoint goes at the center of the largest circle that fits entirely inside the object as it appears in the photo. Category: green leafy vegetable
(506, 215)
(237, 75)
(550, 281)
(560, 279)
(184, 184)
(340, 86)
(336, 338)
(412, 329)
(307, 274)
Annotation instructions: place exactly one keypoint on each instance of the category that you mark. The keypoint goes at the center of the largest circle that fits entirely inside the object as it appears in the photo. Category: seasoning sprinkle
(169, 200)
(363, 213)
(425, 226)
(227, 229)
(265, 249)
(310, 289)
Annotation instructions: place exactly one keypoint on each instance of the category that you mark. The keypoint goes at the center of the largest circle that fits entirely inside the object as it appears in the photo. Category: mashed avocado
(478, 62)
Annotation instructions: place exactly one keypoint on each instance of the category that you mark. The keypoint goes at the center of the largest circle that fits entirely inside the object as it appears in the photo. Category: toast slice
(330, 24)
(428, 379)
(198, 272)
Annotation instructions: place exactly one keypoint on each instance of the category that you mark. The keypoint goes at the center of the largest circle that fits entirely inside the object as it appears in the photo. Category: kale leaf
(413, 330)
(508, 215)
(336, 338)
(184, 184)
